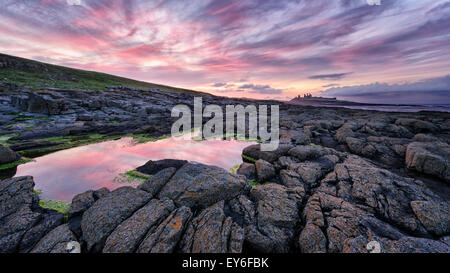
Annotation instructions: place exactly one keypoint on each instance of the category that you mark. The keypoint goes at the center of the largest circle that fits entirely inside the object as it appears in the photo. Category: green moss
(131, 177)
(234, 169)
(15, 164)
(255, 183)
(38, 192)
(229, 136)
(5, 138)
(45, 119)
(59, 206)
(67, 142)
(248, 159)
(143, 138)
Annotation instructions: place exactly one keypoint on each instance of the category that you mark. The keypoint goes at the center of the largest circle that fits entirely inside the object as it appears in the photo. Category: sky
(254, 48)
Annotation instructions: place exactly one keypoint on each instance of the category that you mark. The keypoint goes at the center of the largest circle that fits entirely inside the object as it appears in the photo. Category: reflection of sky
(63, 174)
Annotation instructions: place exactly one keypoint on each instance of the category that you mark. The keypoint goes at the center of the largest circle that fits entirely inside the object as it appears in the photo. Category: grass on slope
(34, 74)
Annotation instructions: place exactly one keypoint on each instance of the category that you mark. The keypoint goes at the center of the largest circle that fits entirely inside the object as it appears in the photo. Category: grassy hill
(36, 75)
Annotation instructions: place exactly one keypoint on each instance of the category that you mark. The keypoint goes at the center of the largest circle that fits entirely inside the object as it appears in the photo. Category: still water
(62, 175)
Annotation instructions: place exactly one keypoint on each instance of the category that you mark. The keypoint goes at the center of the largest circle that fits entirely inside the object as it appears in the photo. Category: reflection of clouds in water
(63, 174)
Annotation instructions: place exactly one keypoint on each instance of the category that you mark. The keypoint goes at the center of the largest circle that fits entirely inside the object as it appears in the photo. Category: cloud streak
(428, 85)
(337, 76)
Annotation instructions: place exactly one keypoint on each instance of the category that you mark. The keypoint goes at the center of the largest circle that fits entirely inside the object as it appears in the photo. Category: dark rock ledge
(317, 200)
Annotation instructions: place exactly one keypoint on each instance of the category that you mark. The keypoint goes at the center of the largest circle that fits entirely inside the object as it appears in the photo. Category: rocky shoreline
(340, 179)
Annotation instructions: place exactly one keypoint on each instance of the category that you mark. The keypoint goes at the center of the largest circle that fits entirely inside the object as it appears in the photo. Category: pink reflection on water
(62, 175)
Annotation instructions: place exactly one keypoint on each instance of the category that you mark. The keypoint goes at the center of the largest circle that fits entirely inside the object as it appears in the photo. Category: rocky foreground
(340, 179)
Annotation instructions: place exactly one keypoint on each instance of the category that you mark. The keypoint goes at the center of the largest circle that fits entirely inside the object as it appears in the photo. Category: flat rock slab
(152, 167)
(199, 186)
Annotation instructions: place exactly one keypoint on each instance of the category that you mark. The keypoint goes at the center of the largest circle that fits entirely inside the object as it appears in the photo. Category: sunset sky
(253, 48)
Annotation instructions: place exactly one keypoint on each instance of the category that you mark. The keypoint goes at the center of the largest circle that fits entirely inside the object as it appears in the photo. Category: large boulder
(22, 222)
(7, 155)
(248, 170)
(100, 220)
(254, 152)
(264, 170)
(430, 158)
(15, 193)
(199, 186)
(153, 167)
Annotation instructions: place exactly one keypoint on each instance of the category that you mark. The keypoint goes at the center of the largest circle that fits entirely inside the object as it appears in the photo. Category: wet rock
(165, 238)
(212, 232)
(7, 155)
(248, 170)
(264, 170)
(56, 241)
(80, 203)
(430, 158)
(100, 220)
(199, 186)
(434, 216)
(127, 236)
(152, 167)
(154, 184)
